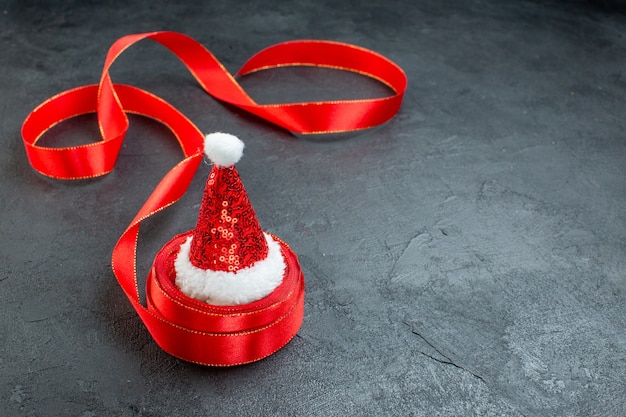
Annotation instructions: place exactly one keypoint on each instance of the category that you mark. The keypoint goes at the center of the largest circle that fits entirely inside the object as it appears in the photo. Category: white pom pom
(223, 149)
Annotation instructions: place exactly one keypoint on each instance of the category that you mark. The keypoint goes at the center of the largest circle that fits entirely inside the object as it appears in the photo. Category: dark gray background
(466, 258)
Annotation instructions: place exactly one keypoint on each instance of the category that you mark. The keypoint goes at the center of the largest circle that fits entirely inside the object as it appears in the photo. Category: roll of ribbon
(188, 329)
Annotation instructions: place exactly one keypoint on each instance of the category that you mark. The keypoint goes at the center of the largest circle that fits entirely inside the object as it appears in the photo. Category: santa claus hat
(227, 259)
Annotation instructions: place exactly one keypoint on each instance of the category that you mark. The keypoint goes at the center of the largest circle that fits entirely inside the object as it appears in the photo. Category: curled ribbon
(182, 327)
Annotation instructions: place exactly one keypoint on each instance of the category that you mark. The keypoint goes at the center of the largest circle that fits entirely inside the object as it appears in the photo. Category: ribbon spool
(235, 334)
(183, 327)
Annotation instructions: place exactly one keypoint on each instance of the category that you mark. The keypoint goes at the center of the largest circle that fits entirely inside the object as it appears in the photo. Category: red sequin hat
(228, 260)
(228, 236)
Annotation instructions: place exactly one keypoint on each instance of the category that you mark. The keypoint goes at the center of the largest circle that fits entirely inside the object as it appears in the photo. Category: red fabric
(226, 335)
(184, 327)
(227, 236)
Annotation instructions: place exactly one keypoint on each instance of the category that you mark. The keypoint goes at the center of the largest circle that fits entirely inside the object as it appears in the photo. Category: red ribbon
(232, 335)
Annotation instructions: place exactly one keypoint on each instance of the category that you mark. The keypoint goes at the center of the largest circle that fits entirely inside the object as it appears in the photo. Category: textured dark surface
(467, 258)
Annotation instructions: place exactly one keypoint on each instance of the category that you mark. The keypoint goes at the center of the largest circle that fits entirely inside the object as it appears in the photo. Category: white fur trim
(224, 288)
(223, 149)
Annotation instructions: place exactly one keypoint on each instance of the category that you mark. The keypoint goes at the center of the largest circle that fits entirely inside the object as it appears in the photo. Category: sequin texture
(228, 236)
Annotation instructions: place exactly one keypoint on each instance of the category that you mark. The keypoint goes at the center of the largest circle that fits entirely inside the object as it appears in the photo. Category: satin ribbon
(182, 329)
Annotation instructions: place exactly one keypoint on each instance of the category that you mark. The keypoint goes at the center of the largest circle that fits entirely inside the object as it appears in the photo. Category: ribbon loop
(176, 327)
